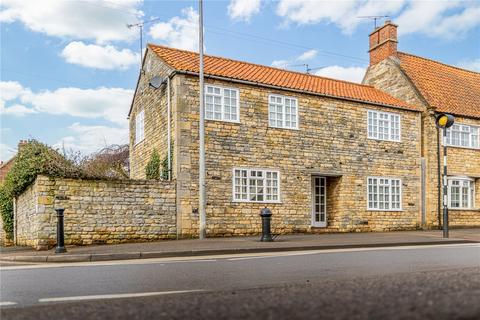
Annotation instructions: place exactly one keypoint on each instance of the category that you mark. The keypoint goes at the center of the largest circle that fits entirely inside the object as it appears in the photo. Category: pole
(140, 27)
(439, 181)
(445, 187)
(169, 146)
(201, 178)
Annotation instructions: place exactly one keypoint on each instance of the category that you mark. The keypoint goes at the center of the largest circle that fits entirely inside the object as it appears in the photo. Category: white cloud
(440, 19)
(88, 139)
(434, 18)
(282, 64)
(101, 20)
(243, 9)
(352, 74)
(111, 104)
(307, 55)
(178, 32)
(100, 57)
(473, 65)
(9, 92)
(17, 110)
(6, 152)
(344, 14)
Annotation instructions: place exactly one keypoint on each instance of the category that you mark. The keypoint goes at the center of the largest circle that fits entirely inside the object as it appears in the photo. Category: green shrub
(152, 170)
(32, 159)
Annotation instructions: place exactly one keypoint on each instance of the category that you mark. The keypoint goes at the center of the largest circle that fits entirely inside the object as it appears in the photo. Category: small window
(222, 104)
(384, 194)
(282, 112)
(383, 126)
(461, 193)
(465, 136)
(139, 127)
(149, 65)
(256, 185)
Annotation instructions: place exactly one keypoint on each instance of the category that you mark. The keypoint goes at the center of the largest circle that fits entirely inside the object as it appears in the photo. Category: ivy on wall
(33, 158)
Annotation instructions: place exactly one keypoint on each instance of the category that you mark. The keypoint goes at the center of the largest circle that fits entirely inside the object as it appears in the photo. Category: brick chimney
(383, 42)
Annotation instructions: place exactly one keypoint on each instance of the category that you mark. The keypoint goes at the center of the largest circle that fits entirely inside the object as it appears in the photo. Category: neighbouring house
(5, 168)
(324, 155)
(435, 87)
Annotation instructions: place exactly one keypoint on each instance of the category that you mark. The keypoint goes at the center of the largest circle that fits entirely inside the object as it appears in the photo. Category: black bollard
(266, 215)
(60, 232)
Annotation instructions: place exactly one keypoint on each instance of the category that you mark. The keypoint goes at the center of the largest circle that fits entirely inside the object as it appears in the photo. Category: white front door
(319, 202)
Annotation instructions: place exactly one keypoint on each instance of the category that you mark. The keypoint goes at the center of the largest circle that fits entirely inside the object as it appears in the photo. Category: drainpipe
(169, 147)
(15, 228)
(439, 174)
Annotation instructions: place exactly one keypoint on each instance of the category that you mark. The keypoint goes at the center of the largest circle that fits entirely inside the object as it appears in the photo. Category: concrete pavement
(193, 247)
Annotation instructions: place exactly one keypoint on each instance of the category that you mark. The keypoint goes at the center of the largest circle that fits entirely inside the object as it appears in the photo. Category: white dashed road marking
(7, 303)
(114, 296)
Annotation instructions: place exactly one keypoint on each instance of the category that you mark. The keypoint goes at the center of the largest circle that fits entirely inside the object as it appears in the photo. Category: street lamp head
(444, 120)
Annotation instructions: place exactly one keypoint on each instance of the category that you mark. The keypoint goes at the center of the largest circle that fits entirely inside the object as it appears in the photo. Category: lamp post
(201, 161)
(445, 121)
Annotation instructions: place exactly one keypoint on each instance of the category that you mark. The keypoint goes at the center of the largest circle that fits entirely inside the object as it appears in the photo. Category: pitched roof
(446, 88)
(237, 70)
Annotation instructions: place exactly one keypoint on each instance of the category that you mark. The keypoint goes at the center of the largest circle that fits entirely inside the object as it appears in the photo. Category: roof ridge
(439, 62)
(270, 67)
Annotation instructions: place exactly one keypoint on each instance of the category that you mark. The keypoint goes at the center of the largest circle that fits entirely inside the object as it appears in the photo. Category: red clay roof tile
(216, 66)
(446, 88)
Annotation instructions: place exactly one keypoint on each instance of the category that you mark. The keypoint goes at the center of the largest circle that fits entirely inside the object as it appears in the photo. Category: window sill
(139, 142)
(397, 141)
(257, 202)
(464, 209)
(227, 121)
(460, 147)
(282, 128)
(383, 210)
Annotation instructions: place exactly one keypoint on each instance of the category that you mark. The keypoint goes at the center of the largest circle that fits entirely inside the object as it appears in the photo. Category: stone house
(435, 87)
(324, 155)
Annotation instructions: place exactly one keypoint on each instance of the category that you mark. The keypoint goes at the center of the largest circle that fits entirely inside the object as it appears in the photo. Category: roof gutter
(293, 90)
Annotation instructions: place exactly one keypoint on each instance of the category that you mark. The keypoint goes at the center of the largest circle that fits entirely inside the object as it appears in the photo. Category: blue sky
(69, 67)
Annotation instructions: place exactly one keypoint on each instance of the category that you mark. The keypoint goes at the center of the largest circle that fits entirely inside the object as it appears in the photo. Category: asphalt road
(429, 282)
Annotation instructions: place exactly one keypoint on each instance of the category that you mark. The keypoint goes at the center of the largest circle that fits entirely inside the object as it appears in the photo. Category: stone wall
(331, 140)
(96, 212)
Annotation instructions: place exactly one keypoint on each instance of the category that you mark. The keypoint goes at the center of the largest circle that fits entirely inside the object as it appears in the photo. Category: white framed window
(256, 185)
(222, 104)
(461, 193)
(461, 135)
(282, 112)
(140, 126)
(149, 65)
(384, 126)
(384, 194)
